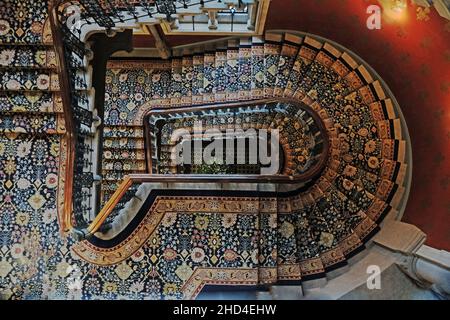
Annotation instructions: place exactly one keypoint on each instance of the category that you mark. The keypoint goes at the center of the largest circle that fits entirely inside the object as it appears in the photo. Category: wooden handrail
(129, 180)
(66, 222)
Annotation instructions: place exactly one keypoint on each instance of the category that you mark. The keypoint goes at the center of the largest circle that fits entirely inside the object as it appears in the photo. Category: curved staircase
(293, 235)
(173, 236)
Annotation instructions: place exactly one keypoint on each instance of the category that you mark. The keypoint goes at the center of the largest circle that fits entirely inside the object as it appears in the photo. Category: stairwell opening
(278, 136)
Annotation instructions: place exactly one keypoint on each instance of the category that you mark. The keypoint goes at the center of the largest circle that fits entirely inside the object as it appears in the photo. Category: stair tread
(28, 80)
(245, 69)
(123, 132)
(27, 57)
(30, 102)
(288, 53)
(209, 78)
(32, 123)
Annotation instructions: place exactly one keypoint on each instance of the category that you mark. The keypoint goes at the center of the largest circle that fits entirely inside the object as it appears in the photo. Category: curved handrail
(310, 174)
(129, 180)
(69, 137)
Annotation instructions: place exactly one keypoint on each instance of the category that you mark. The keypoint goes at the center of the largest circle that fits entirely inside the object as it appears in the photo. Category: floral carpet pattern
(318, 228)
(36, 262)
(412, 55)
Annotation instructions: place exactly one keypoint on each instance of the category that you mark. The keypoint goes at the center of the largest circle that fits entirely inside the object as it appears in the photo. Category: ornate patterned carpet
(296, 236)
(184, 243)
(412, 56)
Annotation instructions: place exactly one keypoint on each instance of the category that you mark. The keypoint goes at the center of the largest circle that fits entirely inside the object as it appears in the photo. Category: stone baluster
(212, 20)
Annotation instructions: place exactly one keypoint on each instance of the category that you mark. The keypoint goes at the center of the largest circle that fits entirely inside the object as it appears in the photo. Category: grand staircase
(302, 233)
(167, 236)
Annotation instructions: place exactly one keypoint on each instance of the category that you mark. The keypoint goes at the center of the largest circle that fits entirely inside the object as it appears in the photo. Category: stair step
(344, 65)
(27, 57)
(209, 77)
(258, 70)
(272, 50)
(32, 123)
(30, 102)
(288, 53)
(24, 24)
(320, 80)
(110, 187)
(306, 55)
(232, 72)
(244, 86)
(124, 154)
(187, 69)
(29, 80)
(176, 86)
(182, 81)
(320, 228)
(124, 165)
(221, 81)
(117, 175)
(123, 143)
